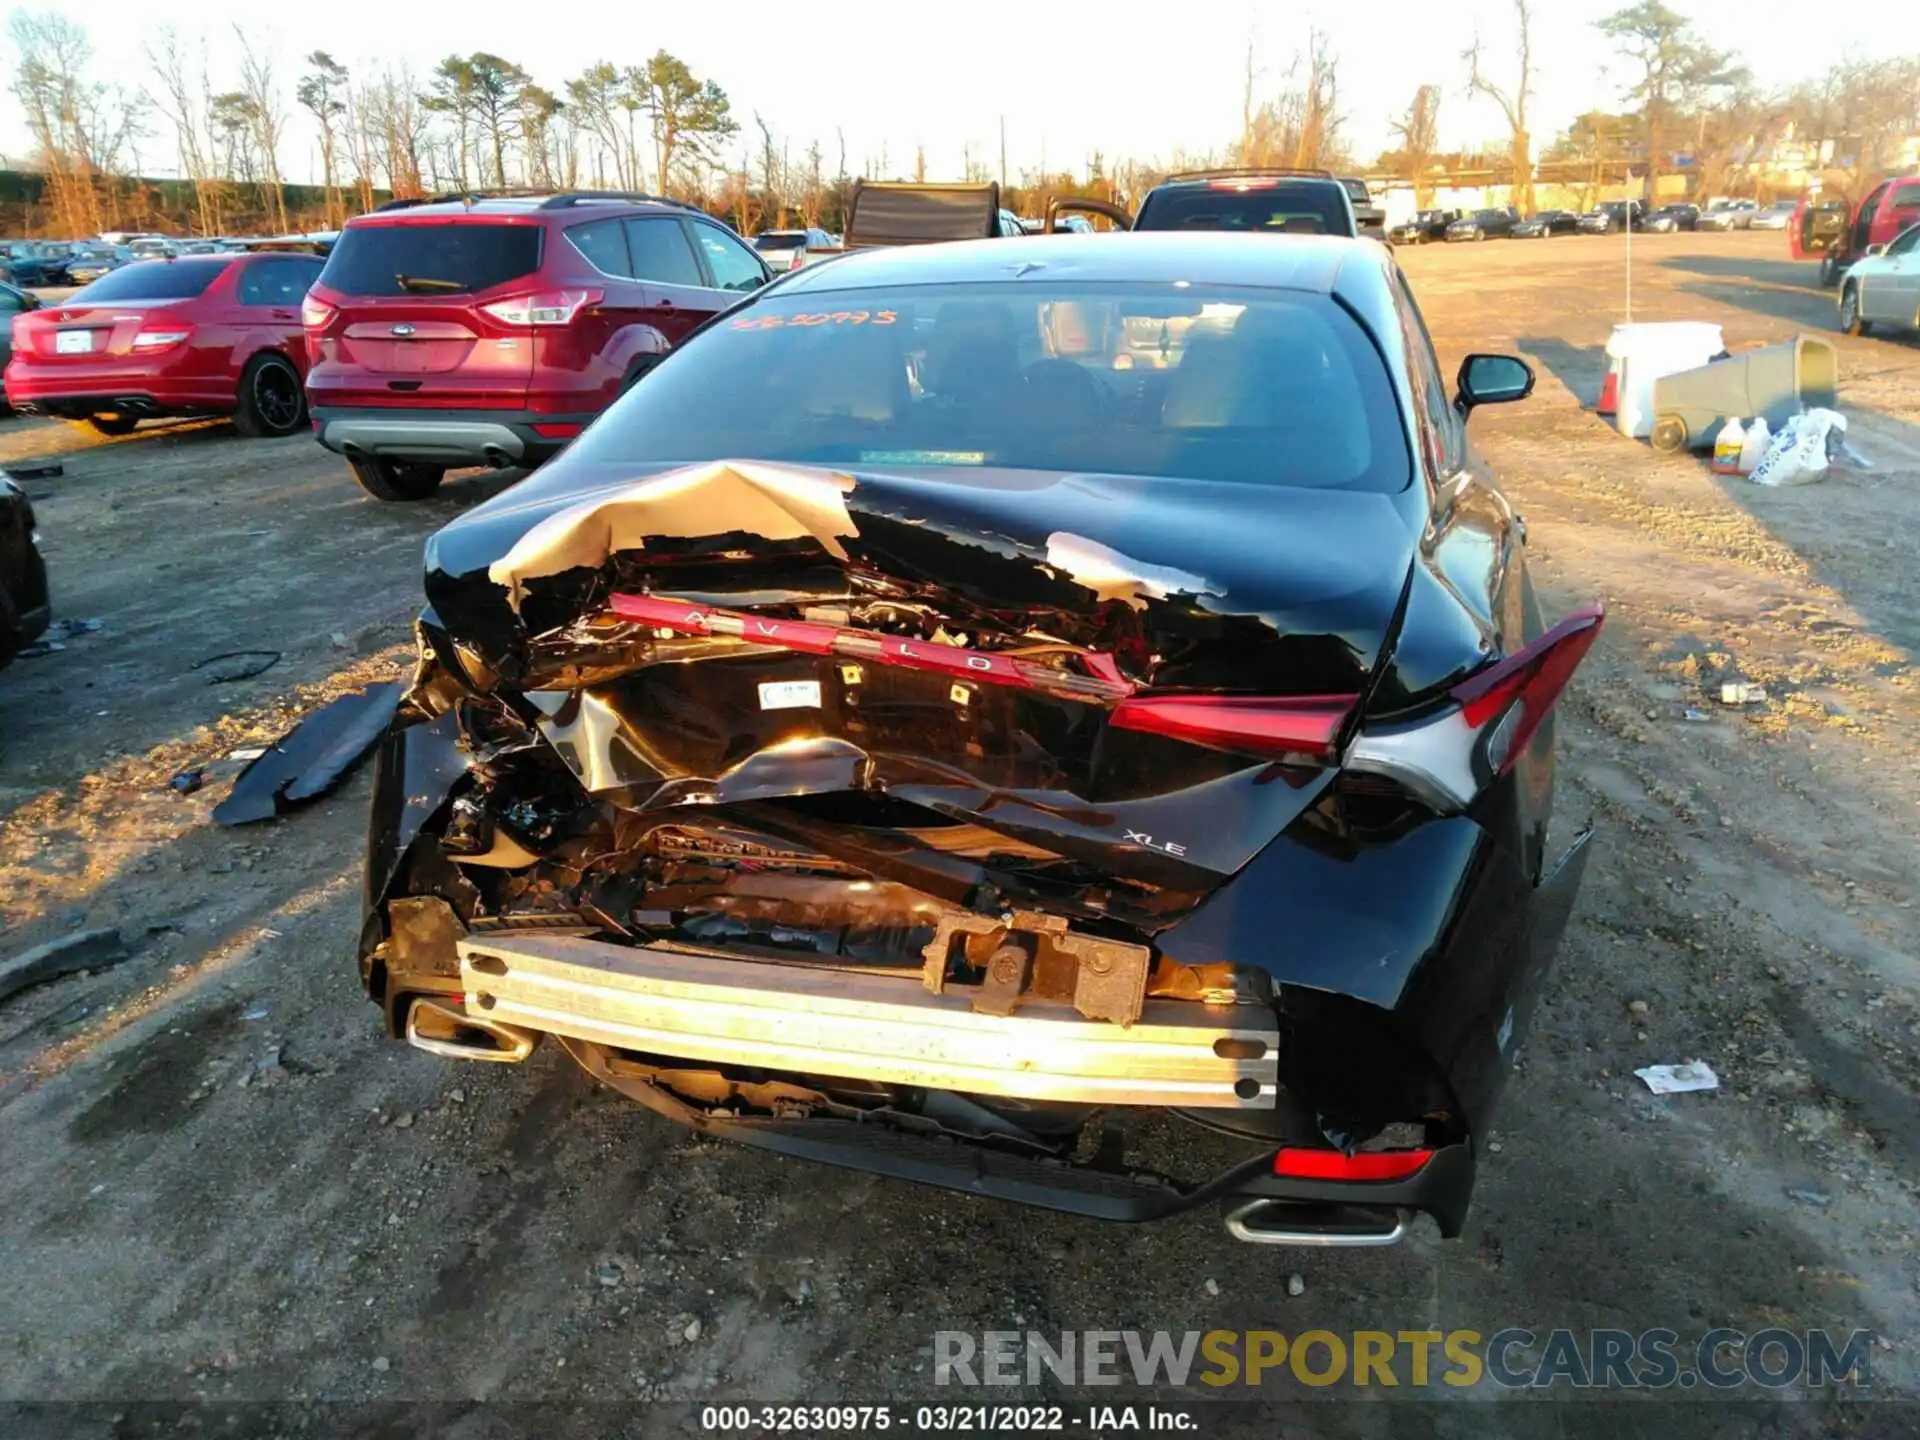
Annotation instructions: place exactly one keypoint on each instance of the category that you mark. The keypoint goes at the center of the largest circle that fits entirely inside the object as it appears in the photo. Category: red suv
(491, 331)
(203, 335)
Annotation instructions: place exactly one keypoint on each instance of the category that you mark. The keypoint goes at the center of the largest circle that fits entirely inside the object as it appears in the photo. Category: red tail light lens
(1448, 758)
(1521, 689)
(1304, 725)
(1302, 1164)
(316, 314)
(557, 429)
(148, 341)
(545, 307)
(1248, 182)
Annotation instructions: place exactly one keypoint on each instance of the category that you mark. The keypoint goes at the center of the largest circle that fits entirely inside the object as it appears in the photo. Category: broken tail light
(1101, 681)
(1449, 758)
(1304, 725)
(1306, 1164)
(543, 307)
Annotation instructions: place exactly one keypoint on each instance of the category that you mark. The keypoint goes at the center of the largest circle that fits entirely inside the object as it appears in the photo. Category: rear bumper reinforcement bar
(885, 1029)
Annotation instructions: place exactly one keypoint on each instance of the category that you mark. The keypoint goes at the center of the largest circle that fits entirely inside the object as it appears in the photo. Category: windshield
(151, 280)
(430, 257)
(1295, 208)
(1253, 387)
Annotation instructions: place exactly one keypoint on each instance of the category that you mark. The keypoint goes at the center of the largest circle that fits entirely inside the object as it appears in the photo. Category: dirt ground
(218, 1181)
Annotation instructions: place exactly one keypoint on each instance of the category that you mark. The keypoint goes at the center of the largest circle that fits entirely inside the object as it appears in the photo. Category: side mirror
(1873, 250)
(1492, 380)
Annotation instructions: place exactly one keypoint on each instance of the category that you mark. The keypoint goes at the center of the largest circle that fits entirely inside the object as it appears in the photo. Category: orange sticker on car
(825, 317)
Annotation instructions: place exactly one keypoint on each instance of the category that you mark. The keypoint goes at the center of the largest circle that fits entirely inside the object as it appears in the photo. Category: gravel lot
(221, 1182)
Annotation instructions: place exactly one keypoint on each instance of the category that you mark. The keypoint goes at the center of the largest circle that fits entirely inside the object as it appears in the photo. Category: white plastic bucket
(1640, 354)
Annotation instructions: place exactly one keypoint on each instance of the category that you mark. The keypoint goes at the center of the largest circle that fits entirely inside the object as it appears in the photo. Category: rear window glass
(428, 258)
(153, 280)
(1291, 209)
(1254, 387)
(1907, 194)
(780, 240)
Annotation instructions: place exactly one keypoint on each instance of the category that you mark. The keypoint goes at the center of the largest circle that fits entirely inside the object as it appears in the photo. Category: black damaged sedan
(976, 709)
(24, 606)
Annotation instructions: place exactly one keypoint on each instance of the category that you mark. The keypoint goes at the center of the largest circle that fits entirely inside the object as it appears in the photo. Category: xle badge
(1165, 847)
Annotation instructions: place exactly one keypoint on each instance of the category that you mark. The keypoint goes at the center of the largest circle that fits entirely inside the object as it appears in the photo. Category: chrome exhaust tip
(1294, 1223)
(447, 1030)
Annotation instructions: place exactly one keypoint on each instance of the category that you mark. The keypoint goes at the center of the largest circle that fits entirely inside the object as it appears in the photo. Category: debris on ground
(310, 759)
(1681, 1079)
(230, 665)
(186, 782)
(57, 634)
(1819, 1198)
(1742, 692)
(83, 950)
(1296, 1285)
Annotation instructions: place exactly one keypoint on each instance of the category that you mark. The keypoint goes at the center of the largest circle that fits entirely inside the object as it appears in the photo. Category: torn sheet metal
(776, 502)
(310, 759)
(1114, 576)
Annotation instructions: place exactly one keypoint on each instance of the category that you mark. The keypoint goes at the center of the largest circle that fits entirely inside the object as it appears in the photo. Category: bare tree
(595, 99)
(82, 129)
(257, 84)
(1300, 126)
(185, 97)
(1512, 100)
(359, 131)
(1419, 132)
(773, 176)
(813, 186)
(322, 92)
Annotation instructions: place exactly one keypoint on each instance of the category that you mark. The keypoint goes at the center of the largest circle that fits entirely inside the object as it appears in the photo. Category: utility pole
(1003, 152)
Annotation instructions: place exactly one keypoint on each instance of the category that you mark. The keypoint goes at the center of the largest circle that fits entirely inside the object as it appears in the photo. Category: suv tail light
(543, 307)
(1449, 758)
(316, 314)
(148, 341)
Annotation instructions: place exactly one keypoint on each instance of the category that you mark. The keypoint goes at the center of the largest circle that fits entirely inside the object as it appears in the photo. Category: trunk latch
(1025, 955)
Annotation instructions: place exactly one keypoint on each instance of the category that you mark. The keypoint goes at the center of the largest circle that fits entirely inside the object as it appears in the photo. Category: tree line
(482, 121)
(1682, 95)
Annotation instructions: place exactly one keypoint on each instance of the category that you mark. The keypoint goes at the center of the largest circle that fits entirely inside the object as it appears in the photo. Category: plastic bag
(1802, 449)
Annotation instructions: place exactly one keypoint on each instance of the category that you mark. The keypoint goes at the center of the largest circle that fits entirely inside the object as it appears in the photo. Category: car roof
(559, 203)
(1290, 262)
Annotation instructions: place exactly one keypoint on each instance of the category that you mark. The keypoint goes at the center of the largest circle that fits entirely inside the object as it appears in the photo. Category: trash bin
(1638, 355)
(1776, 381)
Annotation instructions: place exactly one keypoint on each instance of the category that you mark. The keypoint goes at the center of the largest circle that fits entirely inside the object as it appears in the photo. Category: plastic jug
(1727, 448)
(1754, 446)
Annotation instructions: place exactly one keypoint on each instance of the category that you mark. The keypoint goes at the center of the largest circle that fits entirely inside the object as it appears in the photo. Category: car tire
(113, 423)
(397, 480)
(1851, 322)
(1669, 434)
(272, 402)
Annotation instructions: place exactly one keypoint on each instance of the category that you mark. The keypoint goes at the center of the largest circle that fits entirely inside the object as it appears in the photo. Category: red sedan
(201, 335)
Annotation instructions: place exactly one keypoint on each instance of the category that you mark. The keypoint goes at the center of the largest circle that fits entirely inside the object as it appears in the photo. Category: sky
(1124, 78)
